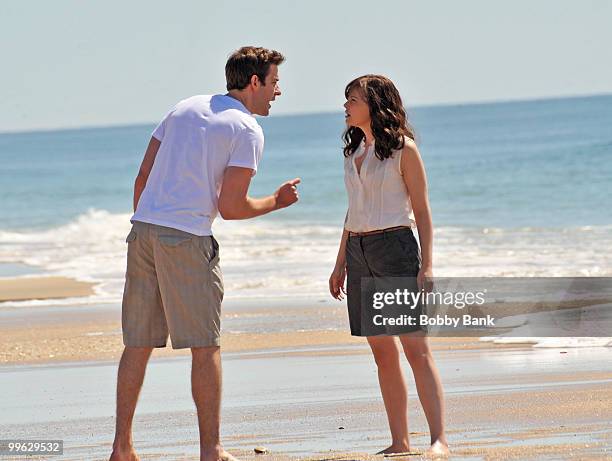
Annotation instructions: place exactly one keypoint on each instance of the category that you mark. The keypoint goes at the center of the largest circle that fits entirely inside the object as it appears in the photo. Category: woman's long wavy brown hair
(388, 117)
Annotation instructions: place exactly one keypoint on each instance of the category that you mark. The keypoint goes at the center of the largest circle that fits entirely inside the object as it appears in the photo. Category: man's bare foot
(225, 456)
(124, 455)
(438, 449)
(394, 449)
(216, 454)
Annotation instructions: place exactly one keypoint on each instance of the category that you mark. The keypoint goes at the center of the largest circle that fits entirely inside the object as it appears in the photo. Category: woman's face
(357, 111)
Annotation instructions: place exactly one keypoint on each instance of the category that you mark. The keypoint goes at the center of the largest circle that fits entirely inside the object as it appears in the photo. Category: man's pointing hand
(287, 193)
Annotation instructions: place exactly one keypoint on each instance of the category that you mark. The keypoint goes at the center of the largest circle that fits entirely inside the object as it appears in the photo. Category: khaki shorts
(173, 284)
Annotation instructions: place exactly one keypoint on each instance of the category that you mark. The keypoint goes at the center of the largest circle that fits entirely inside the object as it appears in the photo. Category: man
(199, 162)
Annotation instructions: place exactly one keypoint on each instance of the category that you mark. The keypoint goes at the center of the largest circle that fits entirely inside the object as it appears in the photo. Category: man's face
(264, 94)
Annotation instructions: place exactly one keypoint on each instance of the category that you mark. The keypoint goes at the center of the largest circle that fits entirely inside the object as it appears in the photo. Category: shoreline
(92, 333)
(93, 342)
(42, 288)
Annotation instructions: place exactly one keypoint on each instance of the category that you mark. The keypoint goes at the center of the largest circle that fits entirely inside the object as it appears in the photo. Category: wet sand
(302, 394)
(501, 404)
(75, 341)
(91, 333)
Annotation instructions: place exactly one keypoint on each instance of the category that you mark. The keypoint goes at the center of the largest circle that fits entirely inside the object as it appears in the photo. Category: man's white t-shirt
(200, 137)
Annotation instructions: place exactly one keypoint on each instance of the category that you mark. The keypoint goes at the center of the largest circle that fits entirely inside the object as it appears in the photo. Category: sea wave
(270, 258)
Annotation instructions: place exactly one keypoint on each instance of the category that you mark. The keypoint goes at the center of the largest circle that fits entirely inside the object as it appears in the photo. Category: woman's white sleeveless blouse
(377, 196)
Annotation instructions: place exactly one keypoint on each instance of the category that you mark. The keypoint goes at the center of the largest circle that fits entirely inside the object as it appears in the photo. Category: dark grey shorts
(372, 261)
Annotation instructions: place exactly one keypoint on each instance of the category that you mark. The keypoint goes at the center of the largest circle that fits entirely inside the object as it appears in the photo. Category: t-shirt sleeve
(160, 129)
(247, 149)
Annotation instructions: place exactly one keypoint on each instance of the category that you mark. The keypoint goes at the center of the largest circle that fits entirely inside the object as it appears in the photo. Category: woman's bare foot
(395, 448)
(438, 449)
(124, 455)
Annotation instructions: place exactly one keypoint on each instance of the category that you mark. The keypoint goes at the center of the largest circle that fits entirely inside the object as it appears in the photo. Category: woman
(386, 185)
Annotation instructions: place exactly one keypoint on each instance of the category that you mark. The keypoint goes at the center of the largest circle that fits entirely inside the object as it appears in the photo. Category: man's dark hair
(249, 61)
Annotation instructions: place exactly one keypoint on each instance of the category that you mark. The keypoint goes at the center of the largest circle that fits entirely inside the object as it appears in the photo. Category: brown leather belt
(378, 231)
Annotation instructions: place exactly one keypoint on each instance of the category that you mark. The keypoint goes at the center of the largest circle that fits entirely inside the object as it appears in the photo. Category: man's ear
(255, 81)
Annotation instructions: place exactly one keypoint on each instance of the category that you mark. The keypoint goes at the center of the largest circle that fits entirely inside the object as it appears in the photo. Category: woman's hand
(425, 279)
(336, 282)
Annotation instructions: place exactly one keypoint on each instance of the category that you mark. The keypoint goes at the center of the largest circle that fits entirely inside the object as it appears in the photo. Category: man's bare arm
(234, 200)
(145, 169)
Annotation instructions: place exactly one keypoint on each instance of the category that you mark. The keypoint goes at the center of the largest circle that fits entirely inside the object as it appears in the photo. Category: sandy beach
(77, 337)
(539, 404)
(91, 333)
(309, 394)
(25, 289)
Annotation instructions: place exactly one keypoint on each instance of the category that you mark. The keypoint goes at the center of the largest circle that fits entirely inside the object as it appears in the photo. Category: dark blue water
(522, 164)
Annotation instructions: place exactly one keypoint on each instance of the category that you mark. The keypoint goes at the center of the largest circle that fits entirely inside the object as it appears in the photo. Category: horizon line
(323, 112)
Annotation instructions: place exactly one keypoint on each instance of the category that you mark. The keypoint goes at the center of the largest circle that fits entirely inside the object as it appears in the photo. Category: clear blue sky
(79, 63)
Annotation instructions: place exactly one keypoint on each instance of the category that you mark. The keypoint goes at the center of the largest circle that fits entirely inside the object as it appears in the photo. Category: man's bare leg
(206, 390)
(131, 374)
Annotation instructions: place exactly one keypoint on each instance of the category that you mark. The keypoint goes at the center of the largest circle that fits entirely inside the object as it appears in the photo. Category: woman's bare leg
(393, 389)
(429, 388)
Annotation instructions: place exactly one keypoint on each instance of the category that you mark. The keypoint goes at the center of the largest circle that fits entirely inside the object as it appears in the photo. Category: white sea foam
(583, 322)
(259, 258)
(554, 342)
(265, 258)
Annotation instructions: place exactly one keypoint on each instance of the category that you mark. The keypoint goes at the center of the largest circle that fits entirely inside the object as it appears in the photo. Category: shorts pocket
(131, 236)
(209, 249)
(174, 240)
(403, 258)
(215, 255)
(407, 242)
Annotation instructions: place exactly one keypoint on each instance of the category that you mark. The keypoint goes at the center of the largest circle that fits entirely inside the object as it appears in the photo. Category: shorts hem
(214, 342)
(154, 344)
(389, 333)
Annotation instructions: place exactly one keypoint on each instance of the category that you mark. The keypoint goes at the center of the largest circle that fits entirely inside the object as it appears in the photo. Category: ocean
(516, 189)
